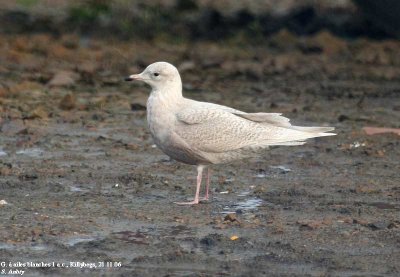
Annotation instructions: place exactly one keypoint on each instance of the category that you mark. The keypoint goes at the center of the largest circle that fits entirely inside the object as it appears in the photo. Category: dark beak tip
(128, 79)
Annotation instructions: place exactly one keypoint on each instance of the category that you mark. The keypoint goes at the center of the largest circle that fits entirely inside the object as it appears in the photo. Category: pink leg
(208, 184)
(196, 197)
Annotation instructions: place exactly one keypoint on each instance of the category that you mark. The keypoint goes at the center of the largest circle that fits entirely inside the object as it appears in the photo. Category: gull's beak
(134, 77)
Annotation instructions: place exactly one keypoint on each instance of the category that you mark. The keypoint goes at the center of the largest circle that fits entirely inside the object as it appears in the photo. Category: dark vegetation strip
(186, 21)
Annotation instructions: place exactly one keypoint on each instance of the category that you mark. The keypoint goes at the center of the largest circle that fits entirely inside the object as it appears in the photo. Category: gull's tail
(276, 119)
(318, 131)
(293, 135)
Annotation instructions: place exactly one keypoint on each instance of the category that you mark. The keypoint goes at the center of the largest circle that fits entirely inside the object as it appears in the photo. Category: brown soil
(83, 182)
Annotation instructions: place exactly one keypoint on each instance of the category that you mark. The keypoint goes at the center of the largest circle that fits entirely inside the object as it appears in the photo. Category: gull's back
(221, 134)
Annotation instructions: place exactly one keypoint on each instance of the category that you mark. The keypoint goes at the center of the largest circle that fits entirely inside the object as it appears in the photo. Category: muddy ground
(82, 181)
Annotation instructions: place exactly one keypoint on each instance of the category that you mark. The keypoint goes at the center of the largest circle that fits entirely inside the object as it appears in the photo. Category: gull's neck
(170, 94)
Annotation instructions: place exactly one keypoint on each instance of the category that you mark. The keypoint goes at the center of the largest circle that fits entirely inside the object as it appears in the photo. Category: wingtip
(327, 129)
(327, 134)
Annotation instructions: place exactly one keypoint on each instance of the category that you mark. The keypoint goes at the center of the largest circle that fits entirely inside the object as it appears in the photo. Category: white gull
(203, 134)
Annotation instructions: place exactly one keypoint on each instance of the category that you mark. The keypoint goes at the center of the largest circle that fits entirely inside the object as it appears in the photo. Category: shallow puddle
(71, 241)
(243, 206)
(77, 189)
(17, 246)
(31, 152)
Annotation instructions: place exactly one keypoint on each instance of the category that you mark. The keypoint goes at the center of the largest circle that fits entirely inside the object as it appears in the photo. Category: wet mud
(81, 180)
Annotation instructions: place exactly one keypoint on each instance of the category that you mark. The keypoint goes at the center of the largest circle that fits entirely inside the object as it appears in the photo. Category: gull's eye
(156, 74)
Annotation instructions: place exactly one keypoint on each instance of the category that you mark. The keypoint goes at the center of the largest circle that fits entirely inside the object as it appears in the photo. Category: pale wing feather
(218, 130)
(272, 118)
(277, 119)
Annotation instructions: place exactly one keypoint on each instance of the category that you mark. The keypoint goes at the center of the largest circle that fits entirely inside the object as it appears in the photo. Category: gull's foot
(204, 198)
(194, 202)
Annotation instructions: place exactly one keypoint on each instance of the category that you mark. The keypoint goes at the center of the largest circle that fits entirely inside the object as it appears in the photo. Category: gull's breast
(159, 119)
(162, 123)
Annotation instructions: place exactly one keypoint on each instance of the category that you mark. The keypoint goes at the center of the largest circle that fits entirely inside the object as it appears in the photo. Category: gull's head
(158, 75)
